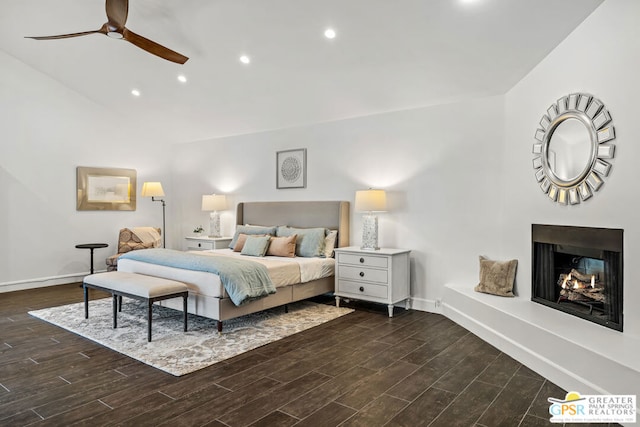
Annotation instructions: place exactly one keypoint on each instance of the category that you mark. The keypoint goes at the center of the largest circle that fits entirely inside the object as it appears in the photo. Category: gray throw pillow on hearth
(497, 277)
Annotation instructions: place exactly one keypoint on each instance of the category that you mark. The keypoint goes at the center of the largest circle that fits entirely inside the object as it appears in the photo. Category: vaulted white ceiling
(387, 55)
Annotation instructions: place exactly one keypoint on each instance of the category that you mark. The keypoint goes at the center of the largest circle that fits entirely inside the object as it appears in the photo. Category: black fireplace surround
(578, 270)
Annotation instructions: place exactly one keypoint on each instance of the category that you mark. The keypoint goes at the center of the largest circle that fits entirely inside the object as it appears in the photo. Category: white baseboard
(42, 282)
(427, 305)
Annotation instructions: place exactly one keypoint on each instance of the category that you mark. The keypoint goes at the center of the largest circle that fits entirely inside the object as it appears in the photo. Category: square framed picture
(291, 168)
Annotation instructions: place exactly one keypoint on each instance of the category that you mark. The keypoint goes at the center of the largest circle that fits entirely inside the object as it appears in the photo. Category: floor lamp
(153, 190)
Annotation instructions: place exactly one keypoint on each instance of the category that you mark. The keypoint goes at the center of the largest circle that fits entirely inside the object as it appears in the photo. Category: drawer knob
(361, 288)
(362, 260)
(362, 274)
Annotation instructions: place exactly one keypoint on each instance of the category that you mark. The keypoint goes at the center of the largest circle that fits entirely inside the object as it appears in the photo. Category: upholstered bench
(136, 286)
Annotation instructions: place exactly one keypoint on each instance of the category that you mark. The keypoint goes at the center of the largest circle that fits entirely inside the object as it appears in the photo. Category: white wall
(598, 58)
(47, 131)
(440, 166)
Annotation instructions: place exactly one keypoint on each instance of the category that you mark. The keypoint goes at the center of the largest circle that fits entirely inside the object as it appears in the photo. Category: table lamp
(214, 203)
(370, 201)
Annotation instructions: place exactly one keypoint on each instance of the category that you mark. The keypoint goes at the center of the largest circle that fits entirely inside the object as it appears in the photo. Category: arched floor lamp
(153, 190)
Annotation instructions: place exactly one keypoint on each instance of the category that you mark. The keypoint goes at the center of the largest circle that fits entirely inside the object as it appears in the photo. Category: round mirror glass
(569, 152)
(572, 148)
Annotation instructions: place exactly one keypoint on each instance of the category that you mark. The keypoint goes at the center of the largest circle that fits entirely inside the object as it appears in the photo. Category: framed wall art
(291, 168)
(105, 189)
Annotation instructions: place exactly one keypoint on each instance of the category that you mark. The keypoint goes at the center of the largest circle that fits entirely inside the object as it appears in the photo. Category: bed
(208, 298)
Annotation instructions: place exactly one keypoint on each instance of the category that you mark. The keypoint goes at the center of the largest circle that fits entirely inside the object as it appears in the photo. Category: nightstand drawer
(362, 289)
(364, 260)
(200, 246)
(363, 274)
(207, 243)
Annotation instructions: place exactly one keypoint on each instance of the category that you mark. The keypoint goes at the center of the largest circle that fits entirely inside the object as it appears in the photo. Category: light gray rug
(178, 352)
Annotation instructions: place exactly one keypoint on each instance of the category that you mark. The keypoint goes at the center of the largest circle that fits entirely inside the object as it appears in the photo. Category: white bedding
(209, 284)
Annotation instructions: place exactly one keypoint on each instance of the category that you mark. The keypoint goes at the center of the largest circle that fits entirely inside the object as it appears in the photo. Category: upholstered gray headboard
(332, 214)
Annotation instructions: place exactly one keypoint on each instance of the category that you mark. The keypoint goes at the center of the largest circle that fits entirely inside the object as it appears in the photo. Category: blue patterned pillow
(256, 246)
(251, 229)
(310, 241)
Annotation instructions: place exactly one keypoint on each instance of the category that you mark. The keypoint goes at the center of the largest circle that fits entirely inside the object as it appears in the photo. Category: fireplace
(578, 270)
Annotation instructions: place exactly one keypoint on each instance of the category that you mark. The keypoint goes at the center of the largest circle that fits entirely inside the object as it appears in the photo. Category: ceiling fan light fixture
(182, 78)
(117, 12)
(115, 35)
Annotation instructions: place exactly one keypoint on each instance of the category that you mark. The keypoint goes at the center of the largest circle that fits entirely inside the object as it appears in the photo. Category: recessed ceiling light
(135, 92)
(330, 33)
(182, 78)
(245, 59)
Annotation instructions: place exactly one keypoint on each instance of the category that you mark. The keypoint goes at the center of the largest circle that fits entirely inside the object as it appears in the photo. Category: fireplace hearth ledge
(544, 340)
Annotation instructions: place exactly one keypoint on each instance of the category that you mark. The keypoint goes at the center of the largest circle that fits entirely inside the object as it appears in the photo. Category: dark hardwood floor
(363, 369)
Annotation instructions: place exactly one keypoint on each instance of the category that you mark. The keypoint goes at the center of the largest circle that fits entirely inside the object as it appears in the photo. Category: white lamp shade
(214, 202)
(371, 201)
(152, 189)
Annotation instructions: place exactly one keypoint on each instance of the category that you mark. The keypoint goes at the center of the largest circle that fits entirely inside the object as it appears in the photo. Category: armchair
(131, 239)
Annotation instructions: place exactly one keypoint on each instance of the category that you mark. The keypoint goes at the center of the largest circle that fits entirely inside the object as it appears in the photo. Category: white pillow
(330, 242)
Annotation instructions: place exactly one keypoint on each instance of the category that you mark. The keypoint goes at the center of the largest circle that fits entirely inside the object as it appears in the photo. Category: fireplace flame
(576, 281)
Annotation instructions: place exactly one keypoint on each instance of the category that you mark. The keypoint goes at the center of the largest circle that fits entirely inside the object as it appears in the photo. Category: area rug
(175, 351)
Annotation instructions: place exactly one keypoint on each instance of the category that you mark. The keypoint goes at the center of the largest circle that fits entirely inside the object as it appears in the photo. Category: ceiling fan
(117, 11)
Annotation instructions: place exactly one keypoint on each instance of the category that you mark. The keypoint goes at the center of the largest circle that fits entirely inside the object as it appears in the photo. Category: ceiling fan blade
(117, 12)
(153, 47)
(66, 36)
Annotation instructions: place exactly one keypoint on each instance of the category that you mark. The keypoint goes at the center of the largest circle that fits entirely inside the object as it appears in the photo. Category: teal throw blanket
(244, 280)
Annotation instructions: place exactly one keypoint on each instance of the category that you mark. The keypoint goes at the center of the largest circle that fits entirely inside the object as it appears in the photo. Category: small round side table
(91, 247)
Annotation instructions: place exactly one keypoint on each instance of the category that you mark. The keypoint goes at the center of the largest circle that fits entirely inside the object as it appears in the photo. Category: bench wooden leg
(150, 311)
(86, 301)
(115, 311)
(184, 310)
(219, 326)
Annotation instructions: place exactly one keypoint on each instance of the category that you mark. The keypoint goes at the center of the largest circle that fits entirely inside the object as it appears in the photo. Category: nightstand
(378, 276)
(198, 243)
